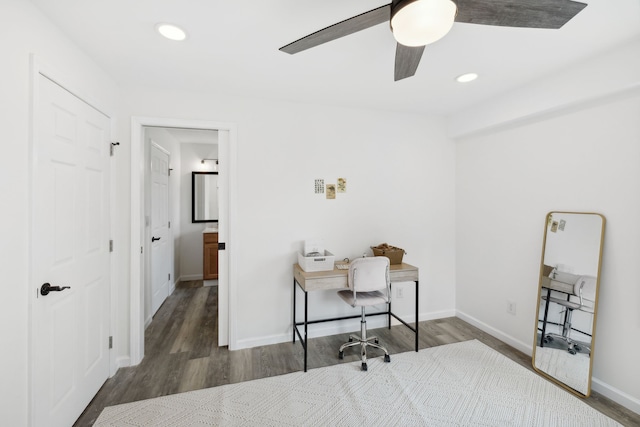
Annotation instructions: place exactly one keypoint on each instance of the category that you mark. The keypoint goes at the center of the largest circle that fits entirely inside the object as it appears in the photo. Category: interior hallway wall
(27, 31)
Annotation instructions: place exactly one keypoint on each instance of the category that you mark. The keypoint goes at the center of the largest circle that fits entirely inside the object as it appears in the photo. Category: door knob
(153, 239)
(46, 288)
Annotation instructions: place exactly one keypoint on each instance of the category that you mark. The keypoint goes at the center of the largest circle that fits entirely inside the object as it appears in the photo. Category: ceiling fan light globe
(171, 31)
(421, 22)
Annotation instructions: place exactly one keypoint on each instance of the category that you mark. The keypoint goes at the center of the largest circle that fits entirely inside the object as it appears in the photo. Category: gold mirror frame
(549, 278)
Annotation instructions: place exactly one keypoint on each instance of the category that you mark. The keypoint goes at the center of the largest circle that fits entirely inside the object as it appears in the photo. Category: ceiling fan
(416, 23)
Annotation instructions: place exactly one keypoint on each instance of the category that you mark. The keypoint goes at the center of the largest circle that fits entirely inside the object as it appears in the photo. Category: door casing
(227, 155)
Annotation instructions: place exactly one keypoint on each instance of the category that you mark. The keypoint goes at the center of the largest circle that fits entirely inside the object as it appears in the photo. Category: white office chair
(368, 285)
(585, 290)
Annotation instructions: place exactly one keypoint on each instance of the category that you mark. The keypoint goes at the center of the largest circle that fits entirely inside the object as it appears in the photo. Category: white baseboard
(597, 385)
(123, 362)
(513, 342)
(616, 395)
(314, 331)
(172, 286)
(186, 277)
(341, 327)
(147, 322)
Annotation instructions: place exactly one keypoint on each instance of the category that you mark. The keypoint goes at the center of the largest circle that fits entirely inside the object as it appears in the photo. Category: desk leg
(417, 323)
(544, 320)
(306, 342)
(294, 311)
(389, 308)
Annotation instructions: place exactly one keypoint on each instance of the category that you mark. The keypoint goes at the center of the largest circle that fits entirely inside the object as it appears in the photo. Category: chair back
(585, 287)
(369, 274)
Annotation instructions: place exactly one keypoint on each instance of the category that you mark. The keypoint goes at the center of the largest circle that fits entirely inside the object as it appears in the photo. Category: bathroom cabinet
(210, 251)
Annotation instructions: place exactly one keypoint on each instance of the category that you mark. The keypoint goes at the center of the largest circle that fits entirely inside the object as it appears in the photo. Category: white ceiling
(233, 49)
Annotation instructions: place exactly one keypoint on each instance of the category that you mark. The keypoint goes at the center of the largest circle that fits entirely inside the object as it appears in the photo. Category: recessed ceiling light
(466, 78)
(172, 32)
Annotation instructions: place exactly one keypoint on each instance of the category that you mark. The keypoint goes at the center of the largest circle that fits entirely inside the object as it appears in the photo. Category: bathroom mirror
(568, 299)
(204, 196)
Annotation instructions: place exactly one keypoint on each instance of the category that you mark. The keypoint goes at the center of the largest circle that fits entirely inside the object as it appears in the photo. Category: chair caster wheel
(376, 341)
(548, 339)
(341, 355)
(350, 339)
(387, 359)
(364, 366)
(577, 348)
(571, 351)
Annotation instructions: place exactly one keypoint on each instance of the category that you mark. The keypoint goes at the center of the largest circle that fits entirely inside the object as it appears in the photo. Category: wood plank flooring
(181, 354)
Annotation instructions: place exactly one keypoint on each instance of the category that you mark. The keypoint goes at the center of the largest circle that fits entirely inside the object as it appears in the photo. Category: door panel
(160, 249)
(70, 247)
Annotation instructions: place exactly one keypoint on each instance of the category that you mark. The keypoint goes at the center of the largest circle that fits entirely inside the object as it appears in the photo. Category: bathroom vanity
(210, 252)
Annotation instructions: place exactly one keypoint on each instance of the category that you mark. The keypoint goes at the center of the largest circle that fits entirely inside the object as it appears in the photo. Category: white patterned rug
(463, 384)
(571, 369)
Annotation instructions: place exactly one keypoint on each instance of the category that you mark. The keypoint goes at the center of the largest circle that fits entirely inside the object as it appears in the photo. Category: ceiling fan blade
(341, 29)
(407, 60)
(551, 14)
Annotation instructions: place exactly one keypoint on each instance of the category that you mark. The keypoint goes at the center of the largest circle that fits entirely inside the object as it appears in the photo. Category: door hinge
(141, 249)
(112, 148)
(221, 246)
(110, 245)
(170, 169)
(110, 342)
(169, 224)
(169, 277)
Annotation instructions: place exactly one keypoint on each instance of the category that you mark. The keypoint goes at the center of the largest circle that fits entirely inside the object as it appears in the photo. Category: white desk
(337, 279)
(552, 285)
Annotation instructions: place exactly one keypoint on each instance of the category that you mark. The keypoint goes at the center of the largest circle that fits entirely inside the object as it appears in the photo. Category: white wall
(191, 250)
(575, 248)
(26, 31)
(400, 172)
(583, 157)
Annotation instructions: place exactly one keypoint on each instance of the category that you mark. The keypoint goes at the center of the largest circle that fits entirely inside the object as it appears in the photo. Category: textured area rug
(571, 369)
(462, 384)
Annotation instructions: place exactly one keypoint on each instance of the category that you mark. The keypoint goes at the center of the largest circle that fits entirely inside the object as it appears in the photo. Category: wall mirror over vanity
(568, 299)
(204, 208)
(204, 196)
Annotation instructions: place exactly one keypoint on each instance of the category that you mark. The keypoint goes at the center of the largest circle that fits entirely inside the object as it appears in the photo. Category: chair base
(363, 341)
(573, 346)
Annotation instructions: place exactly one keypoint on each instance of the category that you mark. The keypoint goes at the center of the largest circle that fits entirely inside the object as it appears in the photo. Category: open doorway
(179, 217)
(140, 235)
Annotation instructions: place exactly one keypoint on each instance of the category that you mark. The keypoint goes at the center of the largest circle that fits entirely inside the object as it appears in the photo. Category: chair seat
(570, 304)
(564, 302)
(362, 298)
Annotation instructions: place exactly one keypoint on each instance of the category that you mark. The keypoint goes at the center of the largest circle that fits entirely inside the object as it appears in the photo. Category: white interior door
(69, 247)
(160, 262)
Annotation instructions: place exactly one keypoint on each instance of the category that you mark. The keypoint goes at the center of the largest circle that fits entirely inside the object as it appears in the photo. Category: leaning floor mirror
(568, 299)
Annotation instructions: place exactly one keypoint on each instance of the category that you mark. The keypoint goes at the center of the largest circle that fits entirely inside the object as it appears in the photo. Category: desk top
(337, 279)
(556, 285)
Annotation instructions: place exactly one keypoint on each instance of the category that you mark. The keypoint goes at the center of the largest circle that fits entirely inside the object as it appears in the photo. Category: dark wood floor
(181, 354)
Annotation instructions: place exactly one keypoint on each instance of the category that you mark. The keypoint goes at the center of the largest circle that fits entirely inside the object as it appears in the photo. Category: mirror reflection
(204, 197)
(567, 298)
